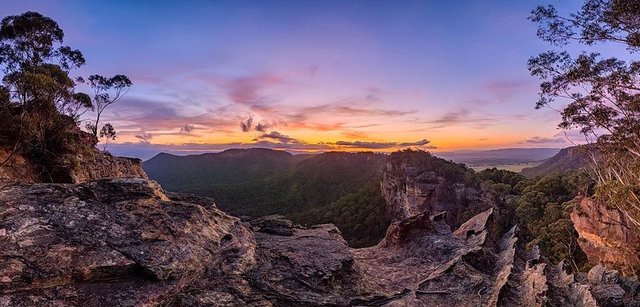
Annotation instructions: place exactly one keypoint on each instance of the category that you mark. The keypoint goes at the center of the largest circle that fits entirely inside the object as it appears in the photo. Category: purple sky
(313, 75)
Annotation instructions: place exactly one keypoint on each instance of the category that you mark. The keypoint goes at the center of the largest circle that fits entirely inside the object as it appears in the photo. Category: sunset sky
(313, 75)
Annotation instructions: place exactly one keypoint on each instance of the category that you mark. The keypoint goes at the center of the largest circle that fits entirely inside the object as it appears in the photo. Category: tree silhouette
(107, 91)
(107, 133)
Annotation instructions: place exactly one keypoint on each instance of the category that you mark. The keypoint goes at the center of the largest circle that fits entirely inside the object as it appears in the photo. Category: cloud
(132, 115)
(278, 137)
(460, 117)
(187, 129)
(261, 127)
(248, 90)
(144, 137)
(341, 108)
(545, 140)
(247, 125)
(382, 145)
(417, 143)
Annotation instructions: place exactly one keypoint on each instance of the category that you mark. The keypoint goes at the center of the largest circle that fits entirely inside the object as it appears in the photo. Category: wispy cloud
(460, 117)
(248, 90)
(262, 127)
(504, 90)
(545, 140)
(382, 145)
(144, 137)
(187, 128)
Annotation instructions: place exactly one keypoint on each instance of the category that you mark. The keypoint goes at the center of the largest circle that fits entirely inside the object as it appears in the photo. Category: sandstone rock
(88, 165)
(97, 165)
(273, 224)
(608, 295)
(607, 236)
(111, 242)
(411, 188)
(125, 242)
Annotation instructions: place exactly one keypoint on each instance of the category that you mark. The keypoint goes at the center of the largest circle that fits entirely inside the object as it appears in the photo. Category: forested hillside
(568, 159)
(310, 189)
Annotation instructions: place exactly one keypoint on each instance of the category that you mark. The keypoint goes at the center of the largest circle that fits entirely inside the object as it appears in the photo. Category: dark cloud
(144, 137)
(417, 143)
(262, 127)
(188, 128)
(247, 125)
(278, 137)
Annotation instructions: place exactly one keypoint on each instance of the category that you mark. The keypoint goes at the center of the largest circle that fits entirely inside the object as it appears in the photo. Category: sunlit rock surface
(607, 236)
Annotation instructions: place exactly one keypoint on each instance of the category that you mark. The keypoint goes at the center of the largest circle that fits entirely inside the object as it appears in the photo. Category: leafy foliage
(39, 106)
(360, 216)
(542, 208)
(603, 93)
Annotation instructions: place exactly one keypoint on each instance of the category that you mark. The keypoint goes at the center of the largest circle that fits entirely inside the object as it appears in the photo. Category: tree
(603, 93)
(40, 108)
(107, 91)
(107, 133)
(36, 66)
(37, 90)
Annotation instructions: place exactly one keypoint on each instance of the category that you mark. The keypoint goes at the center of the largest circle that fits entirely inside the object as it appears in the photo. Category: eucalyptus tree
(602, 93)
(40, 107)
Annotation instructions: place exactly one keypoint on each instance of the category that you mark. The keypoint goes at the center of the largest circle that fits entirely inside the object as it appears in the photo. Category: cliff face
(80, 162)
(125, 242)
(98, 165)
(87, 165)
(607, 236)
(410, 190)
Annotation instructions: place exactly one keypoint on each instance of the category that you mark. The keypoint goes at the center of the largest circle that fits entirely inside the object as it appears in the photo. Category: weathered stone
(273, 224)
(607, 236)
(114, 242)
(608, 295)
(125, 242)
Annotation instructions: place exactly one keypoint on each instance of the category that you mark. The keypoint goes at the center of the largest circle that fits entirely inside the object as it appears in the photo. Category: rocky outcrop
(88, 165)
(119, 242)
(410, 190)
(125, 242)
(607, 236)
(98, 165)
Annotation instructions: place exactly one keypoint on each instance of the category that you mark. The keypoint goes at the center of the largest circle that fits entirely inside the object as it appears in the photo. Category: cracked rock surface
(125, 242)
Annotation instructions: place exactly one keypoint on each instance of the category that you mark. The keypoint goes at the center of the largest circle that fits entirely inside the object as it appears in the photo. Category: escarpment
(126, 242)
(81, 163)
(607, 236)
(415, 182)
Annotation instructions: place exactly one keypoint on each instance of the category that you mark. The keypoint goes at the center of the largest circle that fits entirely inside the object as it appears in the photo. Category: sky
(313, 75)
